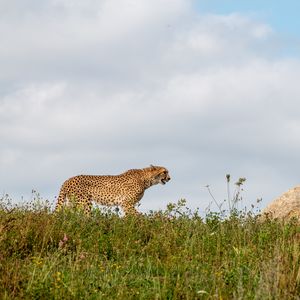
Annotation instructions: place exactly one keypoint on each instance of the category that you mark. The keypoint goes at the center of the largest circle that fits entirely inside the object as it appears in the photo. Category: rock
(285, 207)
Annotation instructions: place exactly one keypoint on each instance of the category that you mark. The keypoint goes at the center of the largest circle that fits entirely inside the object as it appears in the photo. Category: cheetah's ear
(152, 167)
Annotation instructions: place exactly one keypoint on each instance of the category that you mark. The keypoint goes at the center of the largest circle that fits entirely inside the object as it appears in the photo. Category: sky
(204, 88)
(282, 15)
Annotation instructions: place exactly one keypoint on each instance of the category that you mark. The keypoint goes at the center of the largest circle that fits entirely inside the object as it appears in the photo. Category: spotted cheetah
(124, 190)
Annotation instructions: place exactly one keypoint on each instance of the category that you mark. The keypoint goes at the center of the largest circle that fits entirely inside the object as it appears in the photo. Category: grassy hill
(171, 254)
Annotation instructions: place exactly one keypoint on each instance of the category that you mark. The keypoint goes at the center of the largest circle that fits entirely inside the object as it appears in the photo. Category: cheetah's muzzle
(165, 180)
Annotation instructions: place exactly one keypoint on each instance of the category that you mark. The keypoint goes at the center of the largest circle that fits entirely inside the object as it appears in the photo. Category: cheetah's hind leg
(60, 203)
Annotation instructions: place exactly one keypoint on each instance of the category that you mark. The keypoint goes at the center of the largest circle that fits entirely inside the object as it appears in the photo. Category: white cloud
(102, 86)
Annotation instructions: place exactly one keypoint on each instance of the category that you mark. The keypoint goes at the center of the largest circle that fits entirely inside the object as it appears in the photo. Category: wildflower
(82, 256)
(62, 242)
(37, 261)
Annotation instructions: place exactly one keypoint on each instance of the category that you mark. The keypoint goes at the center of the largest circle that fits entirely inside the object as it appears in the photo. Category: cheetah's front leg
(85, 203)
(130, 210)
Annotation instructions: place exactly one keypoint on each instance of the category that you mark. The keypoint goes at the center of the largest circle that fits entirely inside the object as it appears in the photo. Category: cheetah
(124, 190)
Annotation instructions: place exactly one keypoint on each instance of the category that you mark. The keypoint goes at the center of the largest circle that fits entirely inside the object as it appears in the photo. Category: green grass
(171, 254)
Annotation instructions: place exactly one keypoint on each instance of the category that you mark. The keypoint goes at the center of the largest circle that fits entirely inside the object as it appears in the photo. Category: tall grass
(170, 254)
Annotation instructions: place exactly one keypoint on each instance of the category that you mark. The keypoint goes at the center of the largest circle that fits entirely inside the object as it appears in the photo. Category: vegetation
(171, 254)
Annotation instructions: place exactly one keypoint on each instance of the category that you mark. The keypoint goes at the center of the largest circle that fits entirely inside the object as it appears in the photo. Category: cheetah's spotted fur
(124, 190)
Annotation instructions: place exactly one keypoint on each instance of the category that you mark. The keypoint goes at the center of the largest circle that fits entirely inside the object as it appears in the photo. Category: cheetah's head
(159, 174)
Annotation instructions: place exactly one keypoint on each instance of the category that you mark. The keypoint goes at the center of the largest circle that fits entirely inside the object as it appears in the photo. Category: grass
(171, 254)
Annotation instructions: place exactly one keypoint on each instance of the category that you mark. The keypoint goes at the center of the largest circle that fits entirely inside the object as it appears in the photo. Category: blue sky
(283, 16)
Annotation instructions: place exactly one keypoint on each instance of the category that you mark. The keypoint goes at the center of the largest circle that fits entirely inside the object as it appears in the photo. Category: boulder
(285, 207)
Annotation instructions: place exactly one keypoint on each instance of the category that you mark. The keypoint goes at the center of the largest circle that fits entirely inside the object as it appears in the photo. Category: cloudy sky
(204, 88)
